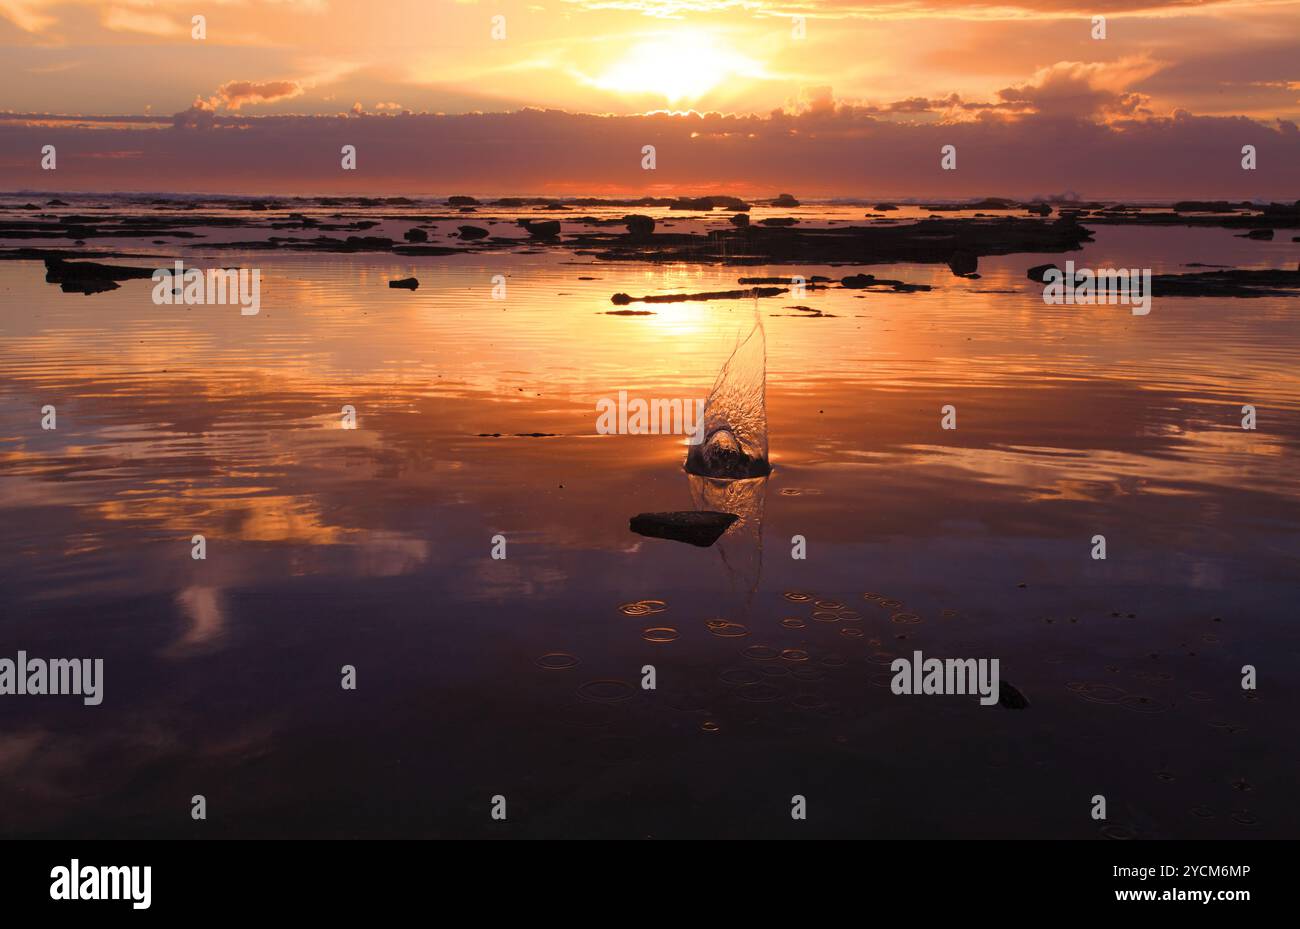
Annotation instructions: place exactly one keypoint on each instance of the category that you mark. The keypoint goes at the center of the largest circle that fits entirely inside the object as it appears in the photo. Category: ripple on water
(1098, 693)
(557, 661)
(825, 616)
(850, 616)
(834, 662)
(727, 630)
(738, 677)
(710, 726)
(762, 692)
(873, 596)
(794, 654)
(851, 632)
(797, 596)
(760, 652)
(809, 701)
(1140, 703)
(807, 674)
(660, 635)
(773, 670)
(793, 622)
(905, 619)
(828, 605)
(606, 691)
(643, 607)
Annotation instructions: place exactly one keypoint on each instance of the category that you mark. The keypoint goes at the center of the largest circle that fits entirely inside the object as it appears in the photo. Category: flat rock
(694, 527)
(406, 283)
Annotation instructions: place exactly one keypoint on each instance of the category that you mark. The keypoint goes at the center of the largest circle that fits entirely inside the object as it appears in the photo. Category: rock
(858, 281)
(639, 226)
(962, 263)
(785, 200)
(779, 221)
(542, 229)
(426, 251)
(471, 233)
(1042, 209)
(624, 299)
(416, 235)
(1038, 272)
(1010, 697)
(694, 527)
(1265, 235)
(55, 203)
(740, 219)
(406, 283)
(461, 200)
(885, 207)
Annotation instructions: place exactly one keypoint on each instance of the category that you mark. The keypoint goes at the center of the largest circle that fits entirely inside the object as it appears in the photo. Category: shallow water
(521, 677)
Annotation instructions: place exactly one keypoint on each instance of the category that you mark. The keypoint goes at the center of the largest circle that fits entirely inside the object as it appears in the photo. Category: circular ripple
(761, 692)
(710, 726)
(850, 616)
(1139, 703)
(760, 652)
(835, 662)
(643, 607)
(728, 630)
(890, 604)
(825, 616)
(809, 701)
(807, 674)
(881, 657)
(557, 661)
(851, 632)
(873, 597)
(606, 691)
(738, 677)
(828, 605)
(660, 635)
(796, 596)
(794, 654)
(905, 619)
(1100, 693)
(791, 622)
(773, 670)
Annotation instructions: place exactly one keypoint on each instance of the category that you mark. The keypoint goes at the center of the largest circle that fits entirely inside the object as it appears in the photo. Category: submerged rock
(624, 299)
(1039, 272)
(694, 527)
(740, 219)
(416, 235)
(785, 200)
(963, 263)
(470, 233)
(406, 283)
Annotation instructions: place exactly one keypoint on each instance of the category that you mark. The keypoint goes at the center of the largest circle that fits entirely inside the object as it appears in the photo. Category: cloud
(234, 94)
(119, 19)
(1096, 90)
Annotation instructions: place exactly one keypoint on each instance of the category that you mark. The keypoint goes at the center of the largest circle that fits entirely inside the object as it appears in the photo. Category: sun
(680, 67)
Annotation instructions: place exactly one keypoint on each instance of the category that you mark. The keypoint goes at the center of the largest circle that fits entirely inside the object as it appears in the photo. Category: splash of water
(734, 443)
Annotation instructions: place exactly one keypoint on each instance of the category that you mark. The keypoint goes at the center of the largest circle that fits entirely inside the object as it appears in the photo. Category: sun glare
(680, 67)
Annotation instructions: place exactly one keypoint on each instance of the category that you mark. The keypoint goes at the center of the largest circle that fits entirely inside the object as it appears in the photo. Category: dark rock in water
(639, 226)
(543, 229)
(885, 207)
(461, 201)
(55, 203)
(1264, 234)
(89, 277)
(779, 221)
(1042, 209)
(625, 299)
(408, 283)
(1208, 206)
(416, 235)
(785, 200)
(694, 527)
(1231, 283)
(740, 219)
(1010, 697)
(1039, 272)
(962, 263)
(470, 233)
(858, 281)
(867, 281)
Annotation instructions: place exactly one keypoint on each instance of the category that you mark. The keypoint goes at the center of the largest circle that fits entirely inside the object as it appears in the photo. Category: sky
(819, 97)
